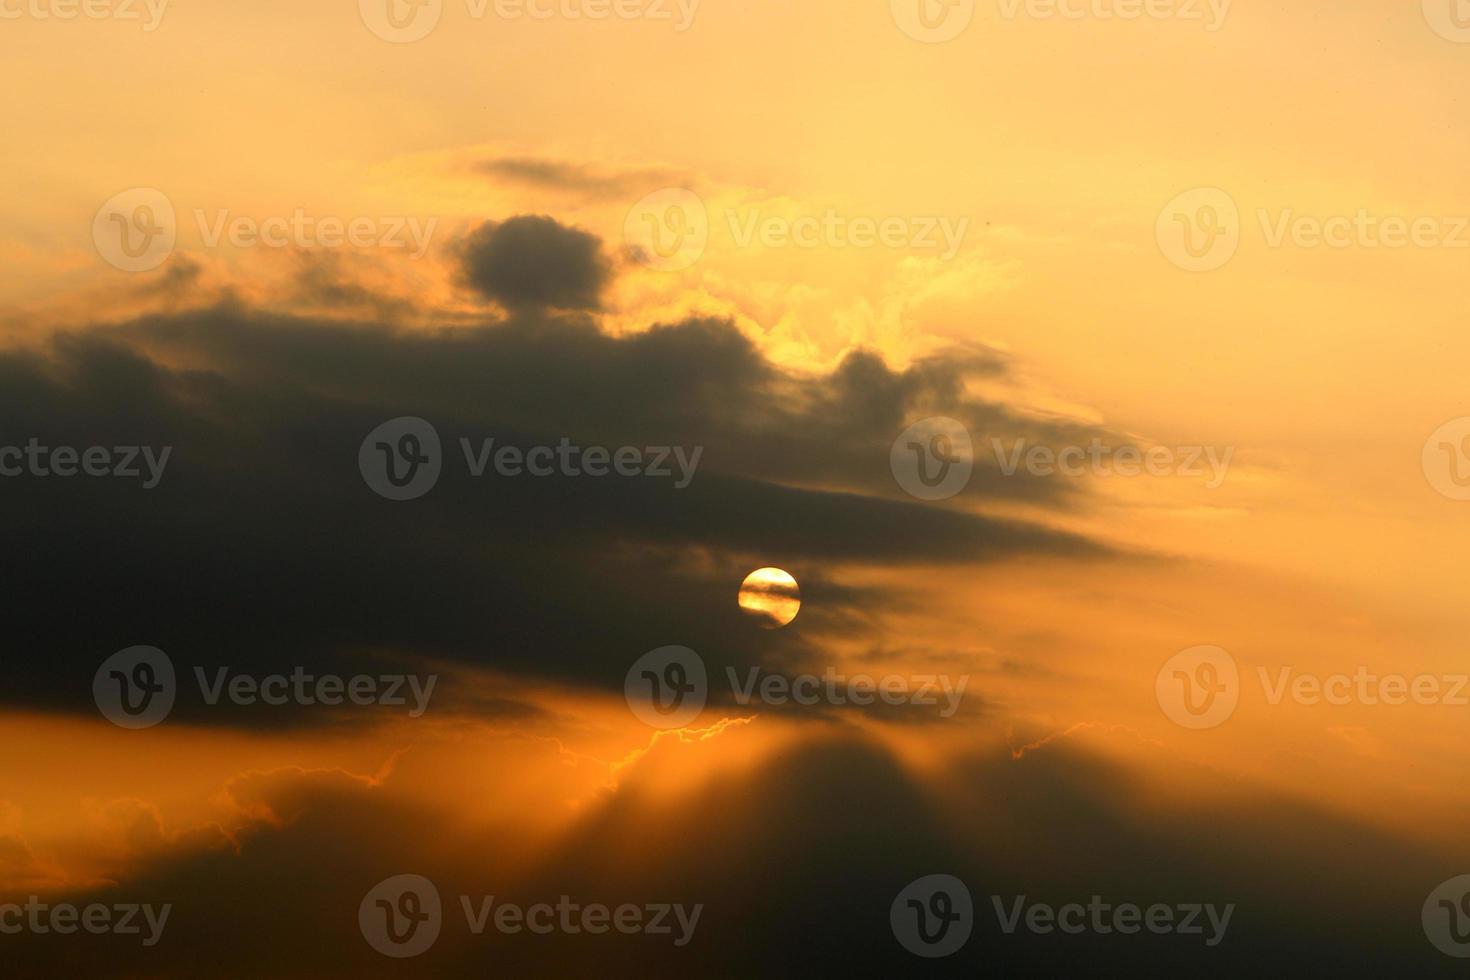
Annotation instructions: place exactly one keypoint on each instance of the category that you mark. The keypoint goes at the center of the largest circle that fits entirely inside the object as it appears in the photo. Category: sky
(617, 388)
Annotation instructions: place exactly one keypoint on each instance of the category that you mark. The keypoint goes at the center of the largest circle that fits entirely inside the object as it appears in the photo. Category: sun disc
(771, 597)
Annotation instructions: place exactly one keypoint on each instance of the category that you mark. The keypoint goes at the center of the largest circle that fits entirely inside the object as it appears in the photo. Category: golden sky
(1031, 170)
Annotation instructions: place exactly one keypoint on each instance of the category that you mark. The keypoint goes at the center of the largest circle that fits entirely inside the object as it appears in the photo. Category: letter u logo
(676, 220)
(1459, 932)
(676, 680)
(1206, 220)
(1457, 455)
(396, 19)
(942, 451)
(1207, 678)
(409, 911)
(941, 909)
(145, 221)
(410, 450)
(931, 20)
(144, 680)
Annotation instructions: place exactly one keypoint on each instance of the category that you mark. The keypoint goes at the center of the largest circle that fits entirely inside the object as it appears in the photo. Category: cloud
(263, 549)
(582, 179)
(532, 261)
(790, 877)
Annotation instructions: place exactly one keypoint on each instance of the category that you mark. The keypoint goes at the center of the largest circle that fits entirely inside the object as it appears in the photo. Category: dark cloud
(795, 862)
(179, 278)
(263, 548)
(532, 261)
(336, 284)
(580, 179)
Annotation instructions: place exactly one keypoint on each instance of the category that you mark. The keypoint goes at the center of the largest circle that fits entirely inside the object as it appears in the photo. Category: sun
(771, 597)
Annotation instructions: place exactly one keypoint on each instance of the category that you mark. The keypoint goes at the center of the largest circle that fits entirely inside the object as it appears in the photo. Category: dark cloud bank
(263, 548)
(796, 865)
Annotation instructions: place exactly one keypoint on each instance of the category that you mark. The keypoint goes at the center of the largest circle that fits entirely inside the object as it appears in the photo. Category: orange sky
(1057, 143)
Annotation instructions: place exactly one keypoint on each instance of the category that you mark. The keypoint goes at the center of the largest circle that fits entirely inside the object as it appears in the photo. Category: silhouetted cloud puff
(532, 261)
